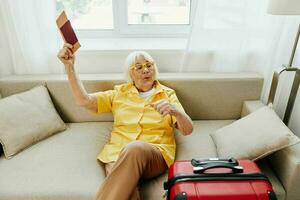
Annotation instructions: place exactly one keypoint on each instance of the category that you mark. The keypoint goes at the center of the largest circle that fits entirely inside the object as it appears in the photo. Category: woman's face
(142, 74)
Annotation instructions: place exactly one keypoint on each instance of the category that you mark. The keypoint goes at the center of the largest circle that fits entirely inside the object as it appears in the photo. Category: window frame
(123, 30)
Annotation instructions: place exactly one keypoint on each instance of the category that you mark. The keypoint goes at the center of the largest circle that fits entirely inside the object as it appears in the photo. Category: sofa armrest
(251, 106)
(286, 165)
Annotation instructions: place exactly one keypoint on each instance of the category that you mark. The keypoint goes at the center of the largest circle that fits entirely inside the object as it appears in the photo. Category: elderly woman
(142, 144)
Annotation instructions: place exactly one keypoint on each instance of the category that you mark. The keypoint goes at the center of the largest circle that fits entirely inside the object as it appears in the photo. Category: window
(158, 12)
(98, 18)
(88, 14)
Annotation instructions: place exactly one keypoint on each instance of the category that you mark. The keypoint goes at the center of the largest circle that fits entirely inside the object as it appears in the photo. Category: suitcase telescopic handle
(230, 161)
(203, 168)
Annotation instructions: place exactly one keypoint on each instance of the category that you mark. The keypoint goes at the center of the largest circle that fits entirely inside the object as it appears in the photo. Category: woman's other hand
(164, 108)
(183, 121)
(66, 56)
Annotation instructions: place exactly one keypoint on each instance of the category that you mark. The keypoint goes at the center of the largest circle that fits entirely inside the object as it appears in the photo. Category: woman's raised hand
(66, 56)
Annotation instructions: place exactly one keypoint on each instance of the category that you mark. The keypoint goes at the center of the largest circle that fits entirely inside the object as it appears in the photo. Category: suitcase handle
(231, 161)
(202, 169)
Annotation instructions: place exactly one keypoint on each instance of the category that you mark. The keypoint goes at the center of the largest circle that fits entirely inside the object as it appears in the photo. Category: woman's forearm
(184, 123)
(82, 98)
(80, 94)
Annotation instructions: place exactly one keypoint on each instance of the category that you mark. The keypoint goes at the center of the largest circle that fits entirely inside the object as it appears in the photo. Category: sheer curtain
(238, 36)
(30, 28)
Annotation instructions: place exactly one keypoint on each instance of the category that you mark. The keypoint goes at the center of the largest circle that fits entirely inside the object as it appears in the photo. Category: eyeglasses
(139, 67)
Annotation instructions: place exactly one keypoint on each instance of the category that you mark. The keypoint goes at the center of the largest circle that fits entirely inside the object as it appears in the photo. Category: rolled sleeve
(174, 101)
(105, 100)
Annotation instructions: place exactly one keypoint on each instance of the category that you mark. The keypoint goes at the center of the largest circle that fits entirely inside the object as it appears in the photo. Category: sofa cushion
(254, 136)
(199, 144)
(26, 118)
(63, 166)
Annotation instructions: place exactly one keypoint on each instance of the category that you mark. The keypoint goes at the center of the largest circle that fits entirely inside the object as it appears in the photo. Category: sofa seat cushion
(200, 145)
(63, 166)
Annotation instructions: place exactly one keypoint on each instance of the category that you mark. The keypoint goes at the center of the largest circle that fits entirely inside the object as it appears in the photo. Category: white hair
(131, 59)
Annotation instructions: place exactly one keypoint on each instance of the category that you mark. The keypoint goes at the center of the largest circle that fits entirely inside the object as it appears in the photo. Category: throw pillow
(26, 118)
(254, 136)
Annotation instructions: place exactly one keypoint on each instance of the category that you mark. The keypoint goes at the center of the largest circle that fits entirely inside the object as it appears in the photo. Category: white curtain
(239, 36)
(29, 26)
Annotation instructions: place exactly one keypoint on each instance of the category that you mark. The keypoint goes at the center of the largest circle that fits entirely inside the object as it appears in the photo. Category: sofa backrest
(203, 95)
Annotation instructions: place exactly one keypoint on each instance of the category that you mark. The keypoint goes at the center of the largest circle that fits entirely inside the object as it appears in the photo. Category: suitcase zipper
(212, 177)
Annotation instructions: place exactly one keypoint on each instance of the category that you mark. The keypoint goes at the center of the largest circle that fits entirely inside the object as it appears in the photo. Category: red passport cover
(67, 31)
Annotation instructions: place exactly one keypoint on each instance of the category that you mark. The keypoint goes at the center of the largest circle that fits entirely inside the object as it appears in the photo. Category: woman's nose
(145, 70)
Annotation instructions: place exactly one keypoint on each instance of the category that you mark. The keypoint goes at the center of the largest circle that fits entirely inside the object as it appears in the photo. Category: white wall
(5, 57)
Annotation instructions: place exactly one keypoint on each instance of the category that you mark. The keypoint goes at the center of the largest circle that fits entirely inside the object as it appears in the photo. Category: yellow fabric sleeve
(105, 100)
(174, 101)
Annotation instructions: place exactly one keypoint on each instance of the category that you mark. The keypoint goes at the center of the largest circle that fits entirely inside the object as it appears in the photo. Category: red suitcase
(217, 179)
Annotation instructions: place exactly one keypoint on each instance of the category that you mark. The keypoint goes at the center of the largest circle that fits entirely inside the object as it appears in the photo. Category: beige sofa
(64, 166)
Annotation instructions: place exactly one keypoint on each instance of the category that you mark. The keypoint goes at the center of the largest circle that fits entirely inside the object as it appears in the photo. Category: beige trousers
(137, 160)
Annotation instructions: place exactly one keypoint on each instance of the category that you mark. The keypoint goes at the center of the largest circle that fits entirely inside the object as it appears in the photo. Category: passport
(67, 31)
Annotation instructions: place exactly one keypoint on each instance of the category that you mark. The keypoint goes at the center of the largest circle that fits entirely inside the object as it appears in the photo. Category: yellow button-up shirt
(136, 119)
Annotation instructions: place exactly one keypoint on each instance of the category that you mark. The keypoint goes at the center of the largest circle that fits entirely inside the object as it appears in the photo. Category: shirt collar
(158, 88)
